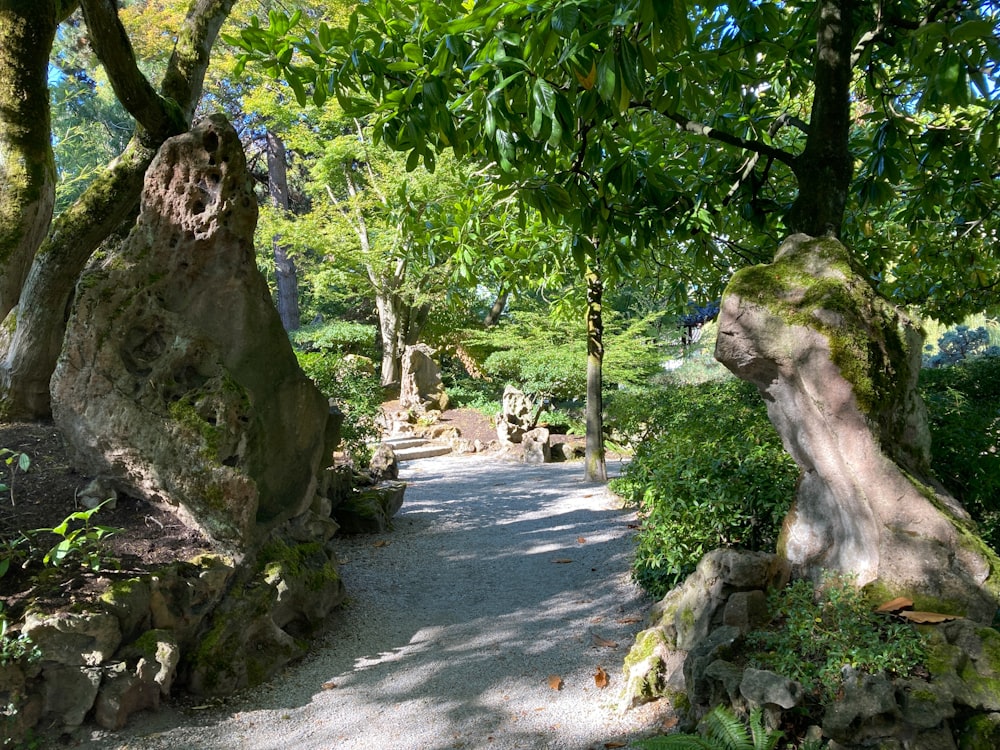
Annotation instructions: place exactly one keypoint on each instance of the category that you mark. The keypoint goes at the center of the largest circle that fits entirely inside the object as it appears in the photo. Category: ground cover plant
(816, 637)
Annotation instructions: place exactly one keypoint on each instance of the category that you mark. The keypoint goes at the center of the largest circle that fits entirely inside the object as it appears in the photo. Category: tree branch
(159, 117)
(707, 131)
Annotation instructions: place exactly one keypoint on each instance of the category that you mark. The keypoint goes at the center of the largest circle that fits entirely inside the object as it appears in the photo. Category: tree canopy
(722, 125)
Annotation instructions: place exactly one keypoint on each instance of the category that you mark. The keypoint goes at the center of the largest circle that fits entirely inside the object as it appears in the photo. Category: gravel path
(497, 579)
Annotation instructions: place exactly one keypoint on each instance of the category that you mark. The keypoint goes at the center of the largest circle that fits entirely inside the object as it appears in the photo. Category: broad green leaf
(976, 29)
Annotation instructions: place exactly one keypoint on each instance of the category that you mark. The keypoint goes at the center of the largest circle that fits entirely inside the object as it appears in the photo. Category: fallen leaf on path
(581, 540)
(589, 494)
(614, 744)
(601, 642)
(381, 543)
(555, 682)
(927, 617)
(601, 678)
(894, 605)
(562, 560)
(329, 685)
(628, 620)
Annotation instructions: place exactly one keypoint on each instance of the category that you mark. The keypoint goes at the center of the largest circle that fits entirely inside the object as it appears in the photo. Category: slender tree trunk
(595, 466)
(27, 167)
(284, 266)
(493, 316)
(825, 167)
(110, 202)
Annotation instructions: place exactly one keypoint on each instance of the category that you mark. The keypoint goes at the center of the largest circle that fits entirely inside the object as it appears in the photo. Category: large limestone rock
(837, 367)
(516, 416)
(177, 379)
(420, 385)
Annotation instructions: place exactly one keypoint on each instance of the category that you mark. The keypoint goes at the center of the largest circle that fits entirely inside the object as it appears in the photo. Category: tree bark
(595, 466)
(110, 202)
(825, 167)
(27, 166)
(284, 266)
(493, 316)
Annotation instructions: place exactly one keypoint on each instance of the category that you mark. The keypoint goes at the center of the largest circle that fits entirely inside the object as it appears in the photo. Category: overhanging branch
(747, 144)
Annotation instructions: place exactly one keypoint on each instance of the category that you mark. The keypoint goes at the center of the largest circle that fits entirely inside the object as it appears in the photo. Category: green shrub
(354, 387)
(549, 358)
(812, 638)
(341, 336)
(710, 472)
(963, 407)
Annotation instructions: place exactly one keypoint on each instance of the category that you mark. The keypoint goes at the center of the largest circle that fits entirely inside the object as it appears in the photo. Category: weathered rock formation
(693, 652)
(537, 446)
(177, 380)
(420, 385)
(838, 366)
(516, 416)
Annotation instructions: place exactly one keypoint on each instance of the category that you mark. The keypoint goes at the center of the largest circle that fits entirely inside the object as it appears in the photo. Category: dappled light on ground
(496, 614)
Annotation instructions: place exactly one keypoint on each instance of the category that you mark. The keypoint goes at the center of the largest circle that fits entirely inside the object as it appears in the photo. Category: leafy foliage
(723, 730)
(351, 383)
(79, 540)
(343, 336)
(14, 460)
(963, 405)
(711, 472)
(960, 342)
(815, 635)
(544, 355)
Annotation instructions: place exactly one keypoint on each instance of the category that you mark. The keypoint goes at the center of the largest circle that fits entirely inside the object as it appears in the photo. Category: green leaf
(297, 88)
(975, 29)
(413, 160)
(606, 77)
(413, 52)
(565, 19)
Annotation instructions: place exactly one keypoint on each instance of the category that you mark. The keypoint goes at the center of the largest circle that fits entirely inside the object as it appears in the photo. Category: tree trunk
(388, 326)
(595, 467)
(27, 166)
(110, 202)
(284, 267)
(825, 167)
(493, 316)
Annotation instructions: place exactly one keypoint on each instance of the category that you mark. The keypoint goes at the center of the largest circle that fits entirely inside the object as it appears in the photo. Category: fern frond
(673, 742)
(763, 738)
(726, 731)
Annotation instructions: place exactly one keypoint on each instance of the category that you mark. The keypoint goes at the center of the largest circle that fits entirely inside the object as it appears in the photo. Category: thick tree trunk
(388, 327)
(595, 466)
(27, 167)
(111, 201)
(284, 266)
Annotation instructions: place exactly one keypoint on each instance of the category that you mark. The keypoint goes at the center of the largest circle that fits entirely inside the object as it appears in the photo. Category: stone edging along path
(483, 620)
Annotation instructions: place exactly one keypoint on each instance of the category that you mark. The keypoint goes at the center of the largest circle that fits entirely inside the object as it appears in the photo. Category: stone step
(423, 451)
(401, 443)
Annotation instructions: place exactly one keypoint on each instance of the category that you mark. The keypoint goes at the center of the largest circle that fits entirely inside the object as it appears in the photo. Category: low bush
(710, 472)
(963, 406)
(341, 336)
(815, 635)
(353, 386)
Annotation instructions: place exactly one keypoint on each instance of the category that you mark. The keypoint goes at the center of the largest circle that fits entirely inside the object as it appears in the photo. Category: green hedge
(711, 472)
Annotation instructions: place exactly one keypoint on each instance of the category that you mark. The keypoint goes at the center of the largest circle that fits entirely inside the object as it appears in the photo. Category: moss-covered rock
(838, 366)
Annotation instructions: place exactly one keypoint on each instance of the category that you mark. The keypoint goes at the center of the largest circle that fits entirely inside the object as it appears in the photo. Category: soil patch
(148, 535)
